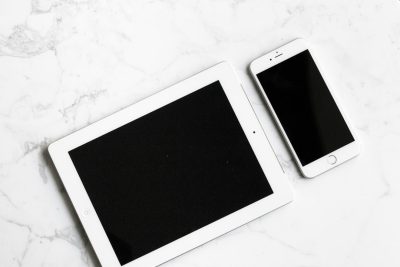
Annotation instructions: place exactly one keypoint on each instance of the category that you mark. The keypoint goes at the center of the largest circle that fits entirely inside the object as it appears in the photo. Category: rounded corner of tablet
(225, 65)
(52, 148)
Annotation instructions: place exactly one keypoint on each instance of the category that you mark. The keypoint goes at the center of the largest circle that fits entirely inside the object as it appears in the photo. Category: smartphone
(305, 110)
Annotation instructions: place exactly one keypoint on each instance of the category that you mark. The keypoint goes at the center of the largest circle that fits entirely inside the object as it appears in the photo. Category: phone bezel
(276, 57)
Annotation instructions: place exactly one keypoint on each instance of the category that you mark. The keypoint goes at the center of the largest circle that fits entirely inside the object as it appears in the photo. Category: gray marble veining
(67, 63)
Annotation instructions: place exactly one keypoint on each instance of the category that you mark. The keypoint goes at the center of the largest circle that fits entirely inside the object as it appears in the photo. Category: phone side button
(332, 159)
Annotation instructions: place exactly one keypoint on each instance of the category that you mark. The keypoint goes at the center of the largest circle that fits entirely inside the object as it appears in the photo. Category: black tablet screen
(170, 172)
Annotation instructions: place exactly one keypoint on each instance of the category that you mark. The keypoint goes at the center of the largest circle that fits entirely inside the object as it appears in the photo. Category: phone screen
(305, 107)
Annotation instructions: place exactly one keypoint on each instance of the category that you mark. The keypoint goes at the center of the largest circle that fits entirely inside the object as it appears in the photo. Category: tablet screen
(170, 172)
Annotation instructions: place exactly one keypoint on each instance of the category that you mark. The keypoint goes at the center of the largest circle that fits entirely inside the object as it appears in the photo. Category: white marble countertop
(67, 63)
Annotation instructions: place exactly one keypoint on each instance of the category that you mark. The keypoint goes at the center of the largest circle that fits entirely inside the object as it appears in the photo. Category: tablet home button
(332, 159)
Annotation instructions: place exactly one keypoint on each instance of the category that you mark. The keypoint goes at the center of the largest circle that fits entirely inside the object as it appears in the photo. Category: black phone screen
(170, 172)
(305, 107)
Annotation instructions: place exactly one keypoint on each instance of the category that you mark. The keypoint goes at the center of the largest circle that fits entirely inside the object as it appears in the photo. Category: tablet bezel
(282, 193)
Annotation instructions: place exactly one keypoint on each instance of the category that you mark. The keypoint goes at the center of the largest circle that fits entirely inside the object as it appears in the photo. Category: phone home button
(332, 159)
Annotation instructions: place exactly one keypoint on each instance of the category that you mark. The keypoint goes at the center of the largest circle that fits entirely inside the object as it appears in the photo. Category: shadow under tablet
(170, 172)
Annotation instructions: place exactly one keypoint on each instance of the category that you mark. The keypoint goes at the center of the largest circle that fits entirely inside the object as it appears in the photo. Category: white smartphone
(305, 109)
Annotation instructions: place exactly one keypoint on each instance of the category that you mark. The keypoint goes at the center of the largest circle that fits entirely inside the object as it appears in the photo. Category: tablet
(171, 172)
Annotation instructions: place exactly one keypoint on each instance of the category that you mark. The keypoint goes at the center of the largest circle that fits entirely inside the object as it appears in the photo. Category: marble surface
(67, 63)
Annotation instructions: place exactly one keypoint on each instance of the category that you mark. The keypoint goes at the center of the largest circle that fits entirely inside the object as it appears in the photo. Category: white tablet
(171, 172)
